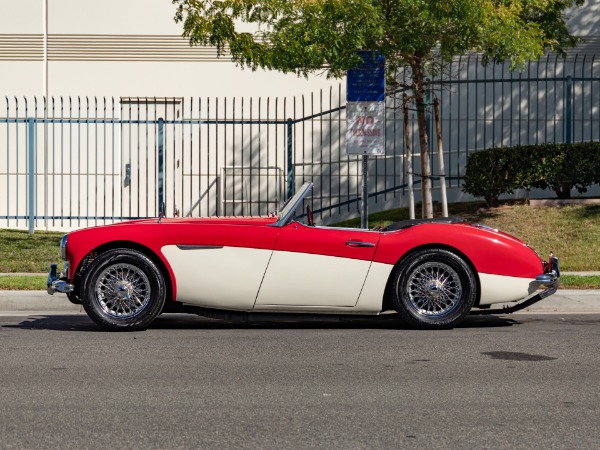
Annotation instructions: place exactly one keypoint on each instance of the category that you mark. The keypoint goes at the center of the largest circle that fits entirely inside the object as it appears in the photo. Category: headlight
(63, 247)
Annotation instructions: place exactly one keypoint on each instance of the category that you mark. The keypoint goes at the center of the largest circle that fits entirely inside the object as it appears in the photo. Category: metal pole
(31, 172)
(46, 103)
(161, 169)
(569, 112)
(438, 129)
(364, 220)
(290, 161)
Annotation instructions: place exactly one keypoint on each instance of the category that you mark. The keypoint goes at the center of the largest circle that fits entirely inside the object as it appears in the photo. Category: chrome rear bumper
(58, 283)
(550, 280)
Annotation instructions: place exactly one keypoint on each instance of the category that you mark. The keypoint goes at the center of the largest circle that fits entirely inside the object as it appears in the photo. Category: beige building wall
(123, 49)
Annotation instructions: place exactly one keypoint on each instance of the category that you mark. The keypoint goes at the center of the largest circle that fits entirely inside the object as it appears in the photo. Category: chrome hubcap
(434, 289)
(123, 290)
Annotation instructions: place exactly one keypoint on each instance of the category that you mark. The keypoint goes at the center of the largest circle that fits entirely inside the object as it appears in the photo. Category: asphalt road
(524, 381)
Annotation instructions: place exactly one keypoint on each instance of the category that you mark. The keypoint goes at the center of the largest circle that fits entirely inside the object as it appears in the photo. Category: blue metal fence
(73, 162)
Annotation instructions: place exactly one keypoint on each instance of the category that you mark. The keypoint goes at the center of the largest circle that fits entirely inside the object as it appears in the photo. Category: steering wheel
(309, 217)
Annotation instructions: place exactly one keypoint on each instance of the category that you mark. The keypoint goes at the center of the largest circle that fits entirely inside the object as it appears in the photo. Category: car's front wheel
(433, 288)
(123, 289)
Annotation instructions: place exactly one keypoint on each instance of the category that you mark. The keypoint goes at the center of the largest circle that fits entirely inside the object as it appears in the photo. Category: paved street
(521, 381)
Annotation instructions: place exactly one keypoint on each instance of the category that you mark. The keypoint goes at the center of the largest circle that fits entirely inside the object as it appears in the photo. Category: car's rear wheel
(123, 290)
(433, 288)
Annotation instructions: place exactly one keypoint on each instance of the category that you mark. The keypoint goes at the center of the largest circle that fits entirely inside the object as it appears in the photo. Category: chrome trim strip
(485, 227)
(199, 247)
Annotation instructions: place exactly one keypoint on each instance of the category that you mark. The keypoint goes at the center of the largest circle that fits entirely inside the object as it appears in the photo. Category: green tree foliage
(419, 36)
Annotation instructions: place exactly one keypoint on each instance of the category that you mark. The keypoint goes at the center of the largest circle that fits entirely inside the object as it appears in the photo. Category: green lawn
(20, 252)
(580, 282)
(22, 283)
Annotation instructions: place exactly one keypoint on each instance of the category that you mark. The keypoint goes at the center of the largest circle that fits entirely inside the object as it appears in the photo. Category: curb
(35, 301)
(568, 301)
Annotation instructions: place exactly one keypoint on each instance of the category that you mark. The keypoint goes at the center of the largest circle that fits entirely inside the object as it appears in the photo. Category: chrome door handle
(359, 244)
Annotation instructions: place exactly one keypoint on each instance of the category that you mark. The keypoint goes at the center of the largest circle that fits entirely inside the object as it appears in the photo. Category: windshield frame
(287, 212)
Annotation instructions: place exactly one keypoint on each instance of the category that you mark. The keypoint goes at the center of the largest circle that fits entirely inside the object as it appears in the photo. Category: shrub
(563, 167)
(491, 173)
(560, 167)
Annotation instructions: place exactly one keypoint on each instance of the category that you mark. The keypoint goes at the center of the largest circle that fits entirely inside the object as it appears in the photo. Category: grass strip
(22, 283)
(580, 282)
(20, 252)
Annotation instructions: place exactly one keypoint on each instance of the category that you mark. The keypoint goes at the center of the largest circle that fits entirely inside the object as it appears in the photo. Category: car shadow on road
(81, 323)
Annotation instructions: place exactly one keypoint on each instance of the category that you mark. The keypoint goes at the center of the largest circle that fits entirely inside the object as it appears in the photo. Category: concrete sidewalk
(565, 301)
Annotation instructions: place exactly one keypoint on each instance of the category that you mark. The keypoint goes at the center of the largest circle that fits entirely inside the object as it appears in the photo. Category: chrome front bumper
(58, 283)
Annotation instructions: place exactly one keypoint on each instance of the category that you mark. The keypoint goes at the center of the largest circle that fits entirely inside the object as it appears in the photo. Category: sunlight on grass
(579, 282)
(22, 283)
(20, 252)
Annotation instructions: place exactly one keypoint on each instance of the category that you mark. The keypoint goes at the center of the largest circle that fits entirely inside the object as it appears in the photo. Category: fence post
(31, 172)
(440, 147)
(569, 112)
(291, 175)
(364, 216)
(161, 168)
(408, 159)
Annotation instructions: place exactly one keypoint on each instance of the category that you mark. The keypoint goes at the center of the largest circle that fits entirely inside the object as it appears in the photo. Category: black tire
(433, 289)
(123, 290)
(73, 298)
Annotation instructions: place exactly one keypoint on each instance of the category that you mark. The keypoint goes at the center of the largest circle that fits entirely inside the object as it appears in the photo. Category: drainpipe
(46, 106)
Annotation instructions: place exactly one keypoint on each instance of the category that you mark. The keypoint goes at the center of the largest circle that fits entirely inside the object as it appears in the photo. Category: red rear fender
(488, 251)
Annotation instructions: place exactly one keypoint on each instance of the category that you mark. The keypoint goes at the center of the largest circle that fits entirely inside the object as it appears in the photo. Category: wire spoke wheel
(122, 290)
(434, 289)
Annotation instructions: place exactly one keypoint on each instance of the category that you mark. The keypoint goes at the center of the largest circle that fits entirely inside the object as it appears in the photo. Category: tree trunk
(563, 190)
(419, 91)
(408, 159)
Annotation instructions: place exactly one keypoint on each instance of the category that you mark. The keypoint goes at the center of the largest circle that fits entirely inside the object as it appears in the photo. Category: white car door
(317, 267)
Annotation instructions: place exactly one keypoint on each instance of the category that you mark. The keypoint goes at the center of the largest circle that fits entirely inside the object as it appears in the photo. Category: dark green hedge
(559, 167)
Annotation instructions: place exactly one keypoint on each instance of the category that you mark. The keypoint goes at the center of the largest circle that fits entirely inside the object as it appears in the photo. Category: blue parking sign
(366, 82)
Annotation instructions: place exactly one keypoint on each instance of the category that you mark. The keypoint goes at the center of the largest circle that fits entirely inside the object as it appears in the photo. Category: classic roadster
(427, 273)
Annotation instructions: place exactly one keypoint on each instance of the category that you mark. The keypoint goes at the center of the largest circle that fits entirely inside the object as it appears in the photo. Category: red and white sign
(365, 128)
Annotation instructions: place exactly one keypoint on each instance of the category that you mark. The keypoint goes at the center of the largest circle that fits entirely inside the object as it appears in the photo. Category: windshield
(287, 211)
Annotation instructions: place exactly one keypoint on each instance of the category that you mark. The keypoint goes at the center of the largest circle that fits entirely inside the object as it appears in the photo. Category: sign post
(365, 116)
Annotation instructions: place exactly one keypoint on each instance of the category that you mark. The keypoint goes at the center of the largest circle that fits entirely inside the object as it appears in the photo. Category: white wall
(121, 48)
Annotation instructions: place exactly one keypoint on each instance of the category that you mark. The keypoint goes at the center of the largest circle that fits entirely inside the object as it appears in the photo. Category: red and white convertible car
(431, 273)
